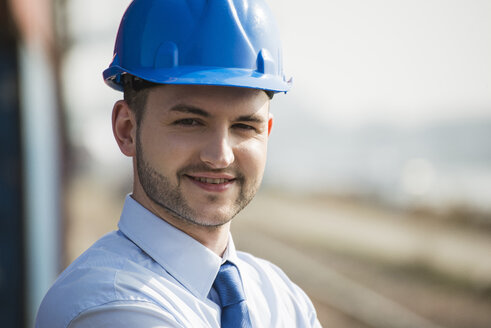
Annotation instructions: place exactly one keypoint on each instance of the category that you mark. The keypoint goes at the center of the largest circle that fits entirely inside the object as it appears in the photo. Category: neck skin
(214, 238)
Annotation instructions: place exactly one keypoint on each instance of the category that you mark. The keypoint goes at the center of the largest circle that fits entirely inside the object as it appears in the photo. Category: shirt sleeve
(125, 315)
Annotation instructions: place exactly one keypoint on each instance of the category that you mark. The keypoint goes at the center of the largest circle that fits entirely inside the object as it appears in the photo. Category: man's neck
(214, 238)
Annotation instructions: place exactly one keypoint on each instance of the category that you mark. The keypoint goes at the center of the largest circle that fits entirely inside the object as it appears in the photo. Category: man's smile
(212, 181)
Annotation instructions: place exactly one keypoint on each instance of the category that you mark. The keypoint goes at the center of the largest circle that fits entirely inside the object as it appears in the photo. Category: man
(197, 79)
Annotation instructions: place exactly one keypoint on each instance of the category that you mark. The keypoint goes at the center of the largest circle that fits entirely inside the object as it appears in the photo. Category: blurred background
(377, 195)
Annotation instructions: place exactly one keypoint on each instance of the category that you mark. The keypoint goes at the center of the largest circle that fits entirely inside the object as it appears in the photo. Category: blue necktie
(229, 288)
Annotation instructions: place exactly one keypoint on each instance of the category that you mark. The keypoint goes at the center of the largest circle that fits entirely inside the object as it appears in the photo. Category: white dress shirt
(150, 274)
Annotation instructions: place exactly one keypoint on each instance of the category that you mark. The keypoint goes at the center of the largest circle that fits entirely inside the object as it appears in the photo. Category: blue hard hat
(207, 42)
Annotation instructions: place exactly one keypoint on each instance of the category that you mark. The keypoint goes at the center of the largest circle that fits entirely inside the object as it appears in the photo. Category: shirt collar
(184, 258)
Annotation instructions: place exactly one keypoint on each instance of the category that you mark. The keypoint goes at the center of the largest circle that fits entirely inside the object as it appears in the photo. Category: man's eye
(244, 126)
(187, 122)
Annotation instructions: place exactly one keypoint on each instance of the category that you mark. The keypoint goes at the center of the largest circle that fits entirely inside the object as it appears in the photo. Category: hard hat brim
(233, 77)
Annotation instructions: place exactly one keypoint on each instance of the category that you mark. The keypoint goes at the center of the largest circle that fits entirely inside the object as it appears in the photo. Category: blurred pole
(42, 175)
(40, 149)
(12, 267)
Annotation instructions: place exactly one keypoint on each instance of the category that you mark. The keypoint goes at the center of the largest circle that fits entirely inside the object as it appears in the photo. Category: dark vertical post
(11, 197)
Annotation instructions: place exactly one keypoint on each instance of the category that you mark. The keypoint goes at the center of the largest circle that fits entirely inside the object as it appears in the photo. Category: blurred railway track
(376, 233)
(334, 289)
(297, 233)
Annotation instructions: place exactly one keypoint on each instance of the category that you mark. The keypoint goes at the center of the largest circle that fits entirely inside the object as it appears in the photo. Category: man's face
(201, 150)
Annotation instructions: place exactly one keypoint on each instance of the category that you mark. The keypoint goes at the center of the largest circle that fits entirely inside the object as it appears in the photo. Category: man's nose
(218, 151)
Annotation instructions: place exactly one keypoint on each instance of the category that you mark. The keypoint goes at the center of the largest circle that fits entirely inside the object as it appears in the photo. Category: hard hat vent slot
(167, 55)
(266, 63)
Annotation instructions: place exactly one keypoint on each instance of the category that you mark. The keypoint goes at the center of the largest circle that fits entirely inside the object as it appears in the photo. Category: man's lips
(211, 177)
(212, 181)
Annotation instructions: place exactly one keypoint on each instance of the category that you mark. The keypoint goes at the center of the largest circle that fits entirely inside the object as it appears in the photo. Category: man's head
(199, 151)
(197, 77)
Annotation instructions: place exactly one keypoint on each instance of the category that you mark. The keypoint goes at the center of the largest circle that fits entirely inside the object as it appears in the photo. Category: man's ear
(124, 128)
(270, 123)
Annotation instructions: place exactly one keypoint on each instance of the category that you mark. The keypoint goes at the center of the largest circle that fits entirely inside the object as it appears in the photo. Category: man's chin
(213, 216)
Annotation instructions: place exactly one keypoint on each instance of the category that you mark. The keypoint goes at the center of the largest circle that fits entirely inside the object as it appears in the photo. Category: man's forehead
(207, 100)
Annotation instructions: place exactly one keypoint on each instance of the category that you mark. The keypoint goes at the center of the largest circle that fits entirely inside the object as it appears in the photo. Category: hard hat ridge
(214, 42)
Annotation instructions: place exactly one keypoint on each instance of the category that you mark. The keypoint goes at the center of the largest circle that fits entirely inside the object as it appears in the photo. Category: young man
(197, 79)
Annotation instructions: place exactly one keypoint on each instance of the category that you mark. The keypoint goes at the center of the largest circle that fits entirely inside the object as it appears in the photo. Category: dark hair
(269, 93)
(135, 92)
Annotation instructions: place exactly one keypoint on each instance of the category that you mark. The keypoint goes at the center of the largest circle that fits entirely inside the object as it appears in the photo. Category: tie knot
(229, 285)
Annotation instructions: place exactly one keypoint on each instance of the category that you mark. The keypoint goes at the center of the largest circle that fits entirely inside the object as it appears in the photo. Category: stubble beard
(162, 192)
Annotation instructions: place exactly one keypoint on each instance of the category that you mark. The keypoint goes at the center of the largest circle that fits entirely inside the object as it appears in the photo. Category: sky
(401, 61)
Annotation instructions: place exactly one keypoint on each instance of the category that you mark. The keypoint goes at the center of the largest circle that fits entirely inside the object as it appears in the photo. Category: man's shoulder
(92, 280)
(104, 258)
(270, 286)
(267, 272)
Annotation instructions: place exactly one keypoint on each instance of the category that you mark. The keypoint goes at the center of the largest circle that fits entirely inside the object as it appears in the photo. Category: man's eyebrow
(190, 109)
(182, 108)
(250, 118)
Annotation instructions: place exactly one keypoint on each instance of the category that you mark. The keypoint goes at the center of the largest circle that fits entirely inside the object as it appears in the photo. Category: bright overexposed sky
(391, 60)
